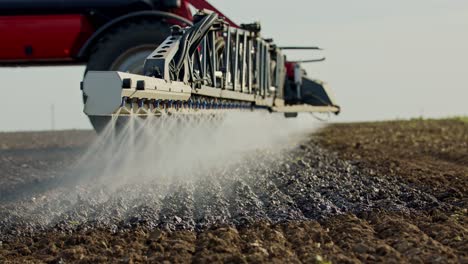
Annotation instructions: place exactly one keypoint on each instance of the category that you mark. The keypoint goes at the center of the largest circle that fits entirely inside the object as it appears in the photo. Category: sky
(385, 60)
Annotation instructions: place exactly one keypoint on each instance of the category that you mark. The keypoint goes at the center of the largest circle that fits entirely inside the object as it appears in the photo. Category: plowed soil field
(351, 193)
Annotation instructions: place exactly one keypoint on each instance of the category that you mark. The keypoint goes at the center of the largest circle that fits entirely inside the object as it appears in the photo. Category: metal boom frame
(209, 66)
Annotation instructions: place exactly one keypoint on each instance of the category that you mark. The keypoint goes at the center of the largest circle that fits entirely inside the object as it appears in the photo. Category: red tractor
(120, 36)
(103, 34)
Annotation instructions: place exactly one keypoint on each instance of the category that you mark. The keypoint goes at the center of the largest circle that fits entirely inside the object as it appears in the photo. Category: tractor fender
(157, 15)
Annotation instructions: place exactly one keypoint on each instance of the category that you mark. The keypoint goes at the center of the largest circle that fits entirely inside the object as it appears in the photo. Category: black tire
(113, 49)
(124, 38)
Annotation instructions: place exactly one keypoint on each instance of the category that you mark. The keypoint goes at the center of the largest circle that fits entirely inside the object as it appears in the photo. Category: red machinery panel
(47, 37)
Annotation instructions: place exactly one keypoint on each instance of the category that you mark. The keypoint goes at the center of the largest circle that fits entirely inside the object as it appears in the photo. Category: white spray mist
(167, 148)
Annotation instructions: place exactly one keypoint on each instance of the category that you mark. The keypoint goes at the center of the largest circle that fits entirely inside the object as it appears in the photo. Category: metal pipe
(249, 65)
(204, 60)
(227, 46)
(213, 45)
(244, 47)
(300, 48)
(267, 69)
(309, 61)
(236, 62)
(263, 62)
(257, 66)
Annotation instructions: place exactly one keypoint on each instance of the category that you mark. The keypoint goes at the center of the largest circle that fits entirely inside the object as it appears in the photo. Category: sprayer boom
(208, 67)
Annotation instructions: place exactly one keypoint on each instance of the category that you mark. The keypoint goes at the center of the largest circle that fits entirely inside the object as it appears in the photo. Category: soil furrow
(211, 207)
(409, 240)
(357, 193)
(312, 243)
(244, 206)
(178, 208)
(219, 245)
(263, 242)
(357, 237)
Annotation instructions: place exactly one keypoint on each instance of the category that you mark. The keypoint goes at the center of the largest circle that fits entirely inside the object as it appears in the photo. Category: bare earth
(353, 193)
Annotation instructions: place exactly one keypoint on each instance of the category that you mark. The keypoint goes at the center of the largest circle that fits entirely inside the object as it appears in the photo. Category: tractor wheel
(125, 49)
